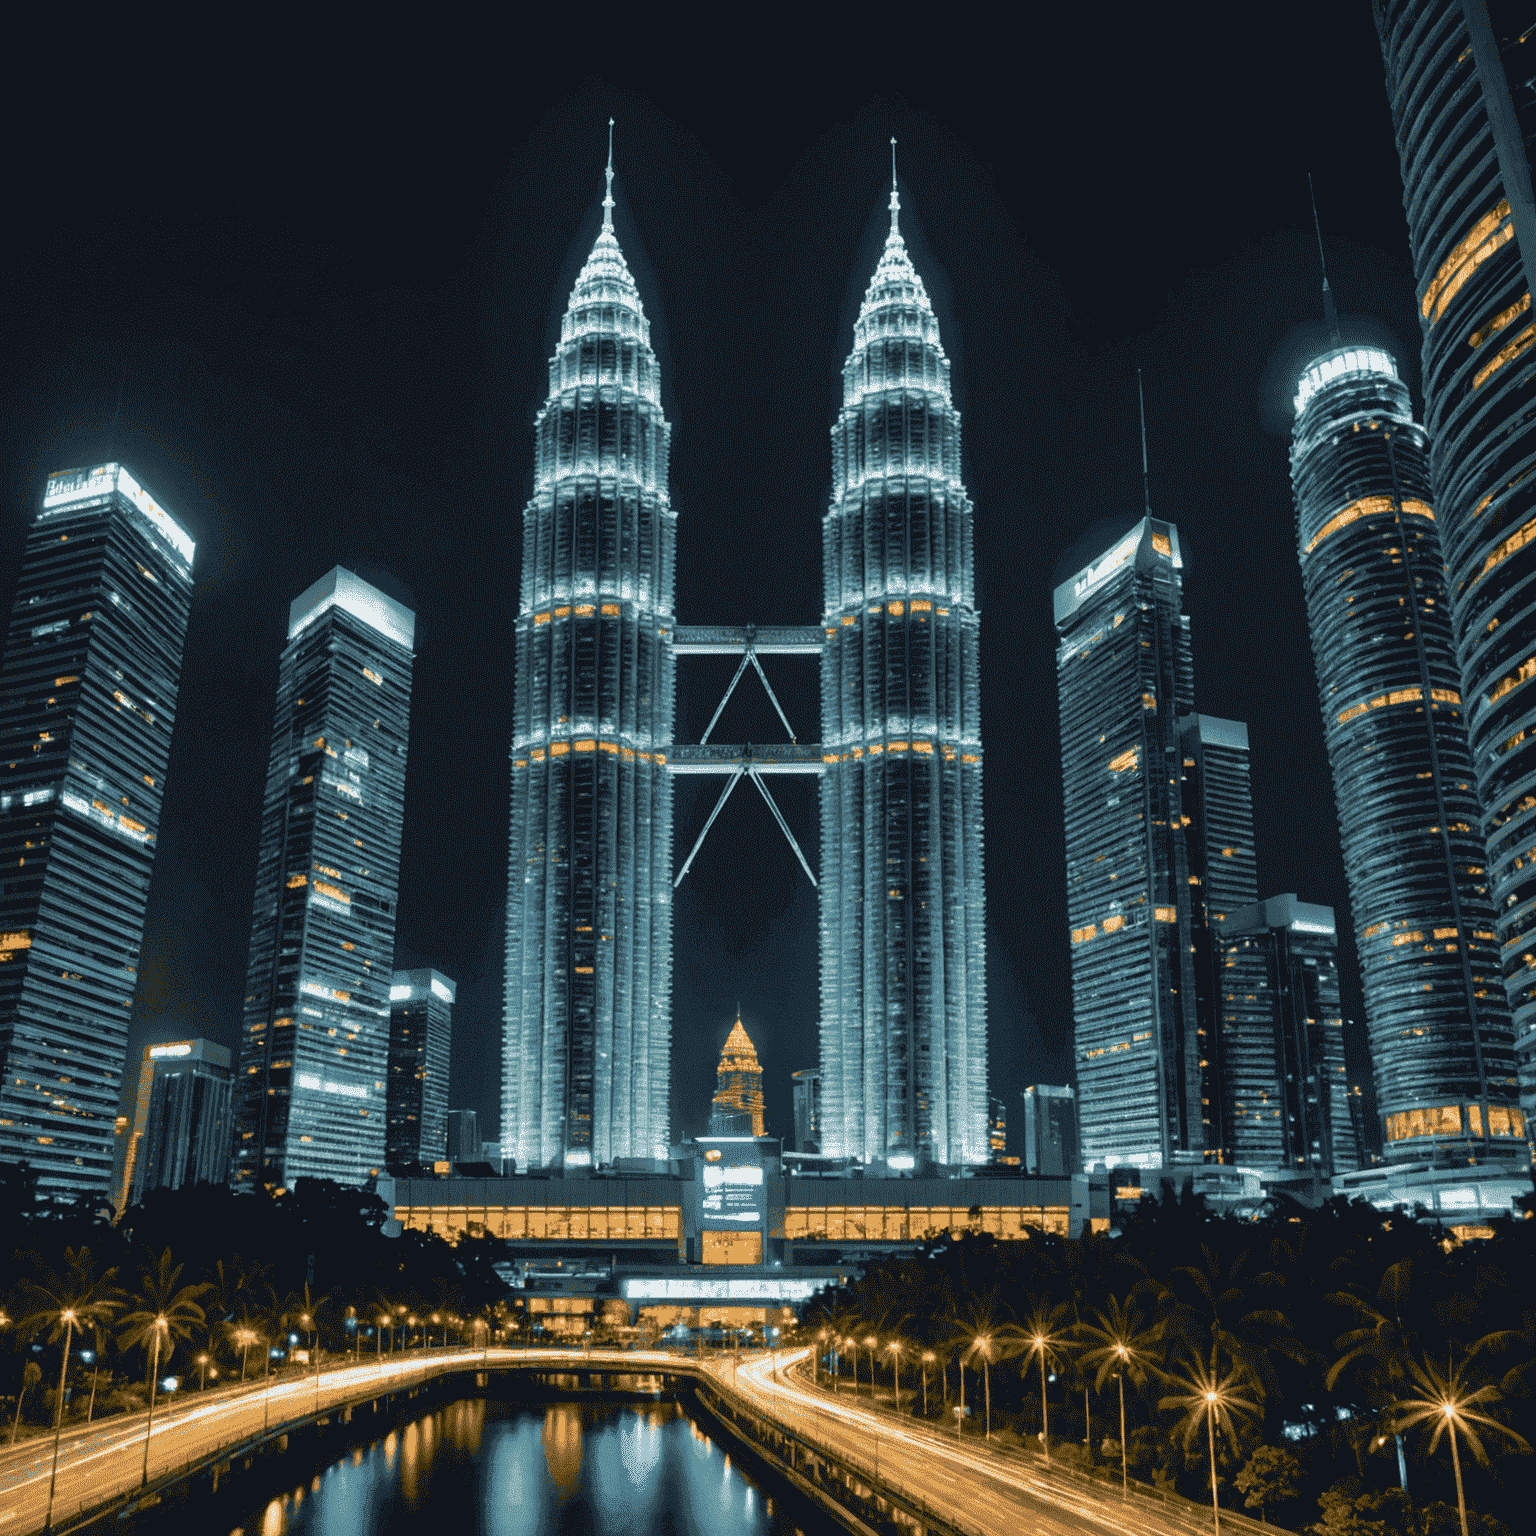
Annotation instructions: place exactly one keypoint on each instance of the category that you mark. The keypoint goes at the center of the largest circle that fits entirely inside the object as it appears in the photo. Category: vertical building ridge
(586, 1047)
(903, 945)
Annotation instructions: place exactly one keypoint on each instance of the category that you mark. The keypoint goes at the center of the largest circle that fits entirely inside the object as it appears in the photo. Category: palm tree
(1212, 1398)
(59, 1304)
(1042, 1336)
(31, 1374)
(167, 1311)
(1377, 1349)
(1445, 1401)
(243, 1335)
(1216, 1312)
(1120, 1342)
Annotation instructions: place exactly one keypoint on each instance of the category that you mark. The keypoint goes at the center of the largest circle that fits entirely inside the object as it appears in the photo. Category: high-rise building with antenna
(311, 1092)
(903, 947)
(1368, 540)
(91, 673)
(586, 1044)
(1125, 683)
(1462, 132)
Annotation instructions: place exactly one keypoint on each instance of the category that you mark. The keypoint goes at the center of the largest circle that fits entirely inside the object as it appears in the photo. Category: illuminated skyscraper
(1217, 799)
(420, 1038)
(1284, 1090)
(903, 945)
(1125, 681)
(87, 702)
(805, 1094)
(1435, 1012)
(184, 1117)
(1050, 1131)
(1461, 138)
(586, 1045)
(737, 1108)
(314, 1055)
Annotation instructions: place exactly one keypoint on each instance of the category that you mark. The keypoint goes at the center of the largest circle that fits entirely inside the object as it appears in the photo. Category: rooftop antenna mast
(1330, 312)
(1146, 478)
(895, 200)
(608, 195)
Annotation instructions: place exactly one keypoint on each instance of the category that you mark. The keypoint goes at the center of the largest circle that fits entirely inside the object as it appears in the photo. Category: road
(964, 1482)
(967, 1484)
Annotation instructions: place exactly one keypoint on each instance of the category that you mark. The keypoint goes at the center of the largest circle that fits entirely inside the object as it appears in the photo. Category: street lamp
(1040, 1344)
(816, 1359)
(245, 1337)
(851, 1344)
(928, 1358)
(1212, 1398)
(893, 1349)
(68, 1318)
(202, 1365)
(869, 1343)
(982, 1345)
(1124, 1354)
(160, 1326)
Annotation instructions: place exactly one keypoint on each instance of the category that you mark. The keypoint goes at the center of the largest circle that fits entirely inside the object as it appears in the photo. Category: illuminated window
(1471, 251)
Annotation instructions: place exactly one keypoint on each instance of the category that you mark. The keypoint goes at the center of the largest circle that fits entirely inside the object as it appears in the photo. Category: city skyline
(948, 206)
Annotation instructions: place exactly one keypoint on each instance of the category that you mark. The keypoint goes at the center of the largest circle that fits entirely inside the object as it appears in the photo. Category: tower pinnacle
(608, 195)
(1146, 477)
(1330, 312)
(895, 201)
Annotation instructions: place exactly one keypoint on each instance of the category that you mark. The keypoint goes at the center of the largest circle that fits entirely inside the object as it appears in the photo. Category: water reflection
(510, 1470)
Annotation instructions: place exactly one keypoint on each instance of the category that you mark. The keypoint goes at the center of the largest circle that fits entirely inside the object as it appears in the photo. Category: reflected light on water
(272, 1523)
(562, 1445)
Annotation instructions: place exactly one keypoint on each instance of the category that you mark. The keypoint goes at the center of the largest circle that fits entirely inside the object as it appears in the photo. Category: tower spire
(1146, 478)
(1330, 312)
(608, 195)
(895, 200)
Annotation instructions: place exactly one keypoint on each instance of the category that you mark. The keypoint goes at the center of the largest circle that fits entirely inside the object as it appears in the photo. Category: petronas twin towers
(586, 1067)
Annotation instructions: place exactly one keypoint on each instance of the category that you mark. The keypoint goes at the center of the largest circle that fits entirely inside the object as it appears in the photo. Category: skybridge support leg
(757, 779)
(725, 794)
(714, 719)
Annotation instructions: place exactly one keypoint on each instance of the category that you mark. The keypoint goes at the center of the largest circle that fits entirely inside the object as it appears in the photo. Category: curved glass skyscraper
(586, 1054)
(1369, 544)
(903, 948)
(1461, 138)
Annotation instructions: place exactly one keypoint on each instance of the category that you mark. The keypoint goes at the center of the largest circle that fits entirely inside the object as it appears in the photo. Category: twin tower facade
(587, 1041)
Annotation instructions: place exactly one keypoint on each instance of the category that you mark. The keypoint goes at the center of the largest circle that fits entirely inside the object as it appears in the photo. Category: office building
(464, 1143)
(1217, 798)
(1284, 1088)
(805, 1101)
(737, 1108)
(185, 1114)
(903, 942)
(1462, 113)
(87, 704)
(314, 1054)
(1125, 681)
(586, 1046)
(1050, 1132)
(420, 1038)
(1436, 1017)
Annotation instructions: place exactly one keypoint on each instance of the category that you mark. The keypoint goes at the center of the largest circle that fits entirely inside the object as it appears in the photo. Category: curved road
(965, 1483)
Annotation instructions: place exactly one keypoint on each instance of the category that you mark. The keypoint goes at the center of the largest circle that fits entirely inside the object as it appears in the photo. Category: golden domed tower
(737, 1108)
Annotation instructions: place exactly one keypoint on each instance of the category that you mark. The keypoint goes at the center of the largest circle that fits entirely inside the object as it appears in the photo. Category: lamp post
(893, 1349)
(1123, 1354)
(852, 1346)
(983, 1347)
(927, 1361)
(821, 1338)
(67, 1317)
(869, 1343)
(245, 1337)
(1040, 1344)
(160, 1326)
(202, 1367)
(1212, 1397)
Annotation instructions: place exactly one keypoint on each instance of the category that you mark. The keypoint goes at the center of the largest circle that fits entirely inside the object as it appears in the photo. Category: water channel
(483, 1467)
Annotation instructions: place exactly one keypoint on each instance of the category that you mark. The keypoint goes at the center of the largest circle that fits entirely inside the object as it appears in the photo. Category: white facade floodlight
(1336, 364)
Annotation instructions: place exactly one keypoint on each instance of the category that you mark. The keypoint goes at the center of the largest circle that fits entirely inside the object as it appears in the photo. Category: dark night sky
(333, 271)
